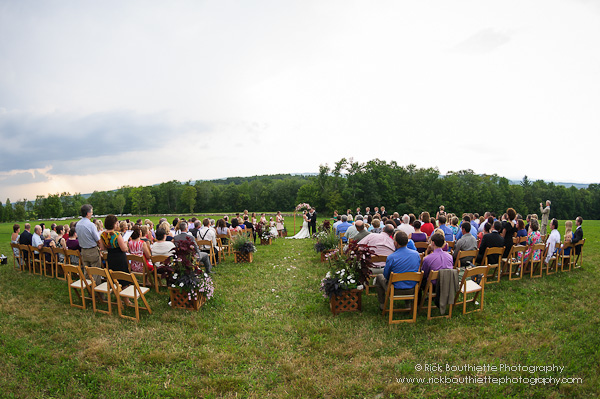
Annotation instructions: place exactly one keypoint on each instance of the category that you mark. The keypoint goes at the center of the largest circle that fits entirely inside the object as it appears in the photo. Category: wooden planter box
(266, 242)
(242, 257)
(324, 254)
(284, 233)
(180, 300)
(349, 301)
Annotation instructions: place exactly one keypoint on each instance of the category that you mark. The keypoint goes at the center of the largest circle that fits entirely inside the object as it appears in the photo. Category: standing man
(312, 221)
(89, 240)
(545, 214)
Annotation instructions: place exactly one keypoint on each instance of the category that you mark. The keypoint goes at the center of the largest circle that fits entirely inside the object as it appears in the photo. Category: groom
(312, 221)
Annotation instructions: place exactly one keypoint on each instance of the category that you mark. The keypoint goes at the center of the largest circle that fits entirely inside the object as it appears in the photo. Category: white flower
(205, 275)
(352, 281)
(175, 275)
(181, 284)
(328, 275)
(359, 287)
(173, 285)
(272, 289)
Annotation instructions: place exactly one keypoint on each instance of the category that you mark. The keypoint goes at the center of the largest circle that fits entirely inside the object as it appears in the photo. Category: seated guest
(147, 236)
(161, 246)
(509, 229)
(578, 234)
(342, 228)
(534, 237)
(467, 219)
(568, 236)
(466, 243)
(382, 244)
(438, 259)
(25, 238)
(406, 226)
(185, 235)
(36, 240)
(140, 248)
(418, 236)
(337, 222)
(222, 227)
(401, 261)
(235, 225)
(427, 227)
(361, 232)
(376, 227)
(448, 233)
(521, 232)
(208, 234)
(553, 240)
(48, 243)
(194, 230)
(351, 232)
(73, 243)
(491, 240)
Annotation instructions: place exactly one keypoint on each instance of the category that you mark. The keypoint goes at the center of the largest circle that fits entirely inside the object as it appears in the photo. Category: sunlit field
(268, 332)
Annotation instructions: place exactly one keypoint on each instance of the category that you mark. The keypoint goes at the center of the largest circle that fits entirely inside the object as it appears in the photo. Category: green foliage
(8, 211)
(188, 197)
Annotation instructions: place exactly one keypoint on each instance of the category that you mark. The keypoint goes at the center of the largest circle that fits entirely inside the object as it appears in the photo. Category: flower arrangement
(183, 272)
(264, 231)
(326, 241)
(325, 226)
(242, 243)
(349, 273)
(302, 207)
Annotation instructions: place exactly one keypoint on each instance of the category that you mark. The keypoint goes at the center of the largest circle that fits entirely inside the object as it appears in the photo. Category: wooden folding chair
(520, 240)
(369, 286)
(47, 258)
(429, 294)
(133, 291)
(421, 244)
(145, 275)
(341, 242)
(469, 286)
(532, 263)
(450, 245)
(224, 249)
(464, 254)
(513, 264)
(74, 257)
(578, 248)
(157, 261)
(60, 258)
(81, 285)
(106, 288)
(552, 265)
(564, 256)
(495, 267)
(36, 260)
(26, 260)
(211, 254)
(390, 296)
(17, 256)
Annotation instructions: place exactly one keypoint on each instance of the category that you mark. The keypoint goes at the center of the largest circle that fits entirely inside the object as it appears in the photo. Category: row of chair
(513, 266)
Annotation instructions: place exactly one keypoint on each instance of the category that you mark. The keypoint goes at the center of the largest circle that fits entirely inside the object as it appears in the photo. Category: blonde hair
(568, 228)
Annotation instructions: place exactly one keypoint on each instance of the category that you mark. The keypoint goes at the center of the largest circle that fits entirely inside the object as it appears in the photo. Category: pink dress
(136, 248)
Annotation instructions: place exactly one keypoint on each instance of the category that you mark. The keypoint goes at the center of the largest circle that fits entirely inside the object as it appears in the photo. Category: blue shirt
(448, 232)
(403, 260)
(342, 228)
(87, 233)
(460, 234)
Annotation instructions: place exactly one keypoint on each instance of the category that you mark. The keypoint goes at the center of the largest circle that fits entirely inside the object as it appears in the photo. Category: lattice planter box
(348, 301)
(241, 257)
(284, 233)
(325, 253)
(266, 242)
(180, 300)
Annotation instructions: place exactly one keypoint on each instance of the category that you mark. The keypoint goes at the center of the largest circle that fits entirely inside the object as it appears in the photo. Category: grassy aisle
(269, 333)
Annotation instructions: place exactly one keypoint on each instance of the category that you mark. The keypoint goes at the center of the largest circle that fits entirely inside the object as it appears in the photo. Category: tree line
(346, 184)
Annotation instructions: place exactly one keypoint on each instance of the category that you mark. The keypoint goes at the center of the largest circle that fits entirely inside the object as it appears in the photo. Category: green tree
(142, 199)
(1, 212)
(119, 203)
(8, 211)
(188, 197)
(20, 213)
(53, 206)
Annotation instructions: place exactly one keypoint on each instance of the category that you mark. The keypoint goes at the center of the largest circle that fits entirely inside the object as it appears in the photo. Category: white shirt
(206, 233)
(407, 228)
(551, 243)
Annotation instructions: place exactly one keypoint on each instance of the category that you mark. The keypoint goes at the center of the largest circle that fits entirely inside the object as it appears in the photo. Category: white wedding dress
(304, 232)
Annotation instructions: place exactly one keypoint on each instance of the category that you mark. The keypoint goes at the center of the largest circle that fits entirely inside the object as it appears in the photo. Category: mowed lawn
(269, 333)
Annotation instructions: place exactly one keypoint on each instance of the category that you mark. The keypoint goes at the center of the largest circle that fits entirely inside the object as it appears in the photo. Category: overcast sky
(95, 95)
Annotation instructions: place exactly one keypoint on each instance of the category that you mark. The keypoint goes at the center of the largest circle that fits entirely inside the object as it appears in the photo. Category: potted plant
(265, 234)
(284, 232)
(189, 286)
(344, 283)
(327, 244)
(243, 248)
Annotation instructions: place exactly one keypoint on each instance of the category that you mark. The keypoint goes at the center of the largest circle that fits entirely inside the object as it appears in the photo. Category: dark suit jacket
(25, 238)
(577, 236)
(491, 240)
(249, 225)
(312, 220)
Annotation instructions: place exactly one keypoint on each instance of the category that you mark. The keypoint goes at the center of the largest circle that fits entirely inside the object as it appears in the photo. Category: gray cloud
(21, 178)
(484, 41)
(37, 141)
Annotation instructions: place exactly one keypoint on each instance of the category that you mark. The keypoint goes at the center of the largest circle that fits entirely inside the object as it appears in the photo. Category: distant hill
(567, 185)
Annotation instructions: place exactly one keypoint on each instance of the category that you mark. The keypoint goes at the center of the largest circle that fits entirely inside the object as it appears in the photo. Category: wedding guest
(48, 243)
(577, 235)
(376, 227)
(568, 236)
(418, 236)
(427, 227)
(116, 258)
(161, 246)
(406, 226)
(521, 232)
(553, 240)
(140, 248)
(509, 229)
(25, 238)
(534, 237)
(73, 243)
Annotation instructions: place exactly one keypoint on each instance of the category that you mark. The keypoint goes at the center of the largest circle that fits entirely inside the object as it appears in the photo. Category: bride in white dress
(304, 232)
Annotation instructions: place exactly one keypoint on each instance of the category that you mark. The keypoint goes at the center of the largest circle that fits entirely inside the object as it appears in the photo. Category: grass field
(269, 333)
